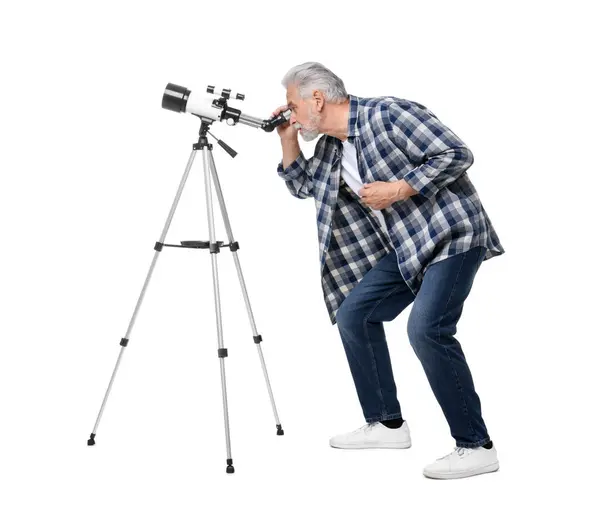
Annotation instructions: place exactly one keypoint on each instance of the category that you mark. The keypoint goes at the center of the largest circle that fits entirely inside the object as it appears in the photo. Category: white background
(90, 164)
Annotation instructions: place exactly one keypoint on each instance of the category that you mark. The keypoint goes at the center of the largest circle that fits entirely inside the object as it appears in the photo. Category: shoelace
(365, 428)
(460, 451)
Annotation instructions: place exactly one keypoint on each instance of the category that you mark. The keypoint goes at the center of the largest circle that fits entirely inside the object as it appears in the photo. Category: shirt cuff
(294, 170)
(421, 182)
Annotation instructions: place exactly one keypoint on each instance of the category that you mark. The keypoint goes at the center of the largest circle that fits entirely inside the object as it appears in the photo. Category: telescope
(208, 109)
(182, 100)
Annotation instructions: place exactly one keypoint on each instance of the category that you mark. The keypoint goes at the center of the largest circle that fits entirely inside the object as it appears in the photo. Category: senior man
(399, 222)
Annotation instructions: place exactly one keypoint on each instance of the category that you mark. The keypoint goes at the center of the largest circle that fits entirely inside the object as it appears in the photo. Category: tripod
(214, 247)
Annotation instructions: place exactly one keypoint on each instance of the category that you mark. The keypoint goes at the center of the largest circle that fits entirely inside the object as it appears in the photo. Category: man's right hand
(286, 131)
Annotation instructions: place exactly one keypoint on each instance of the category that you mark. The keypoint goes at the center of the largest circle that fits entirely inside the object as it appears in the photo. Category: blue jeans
(380, 296)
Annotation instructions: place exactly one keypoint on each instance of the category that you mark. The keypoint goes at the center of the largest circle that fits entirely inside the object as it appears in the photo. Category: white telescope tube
(199, 104)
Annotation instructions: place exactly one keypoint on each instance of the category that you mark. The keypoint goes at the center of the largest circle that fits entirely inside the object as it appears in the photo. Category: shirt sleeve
(439, 155)
(297, 177)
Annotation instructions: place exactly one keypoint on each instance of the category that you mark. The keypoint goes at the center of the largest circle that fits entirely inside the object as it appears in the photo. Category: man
(399, 222)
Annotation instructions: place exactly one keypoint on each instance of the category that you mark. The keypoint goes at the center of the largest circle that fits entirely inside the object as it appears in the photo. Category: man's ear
(320, 100)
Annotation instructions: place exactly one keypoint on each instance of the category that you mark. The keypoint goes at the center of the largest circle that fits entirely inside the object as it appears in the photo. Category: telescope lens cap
(175, 98)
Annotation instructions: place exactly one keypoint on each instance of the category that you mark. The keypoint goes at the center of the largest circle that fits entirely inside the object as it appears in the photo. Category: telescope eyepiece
(272, 123)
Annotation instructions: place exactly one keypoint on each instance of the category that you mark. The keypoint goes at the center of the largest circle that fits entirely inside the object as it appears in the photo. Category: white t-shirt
(351, 175)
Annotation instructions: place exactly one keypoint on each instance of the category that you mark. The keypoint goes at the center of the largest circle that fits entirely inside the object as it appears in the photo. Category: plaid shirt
(395, 139)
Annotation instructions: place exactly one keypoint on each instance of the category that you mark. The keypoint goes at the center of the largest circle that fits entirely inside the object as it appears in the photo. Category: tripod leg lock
(257, 339)
(124, 342)
(222, 353)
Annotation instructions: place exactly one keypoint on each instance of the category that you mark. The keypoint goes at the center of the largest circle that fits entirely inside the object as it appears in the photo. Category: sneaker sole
(464, 474)
(393, 445)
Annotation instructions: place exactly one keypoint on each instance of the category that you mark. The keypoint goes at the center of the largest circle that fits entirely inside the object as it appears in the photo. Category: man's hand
(286, 131)
(380, 194)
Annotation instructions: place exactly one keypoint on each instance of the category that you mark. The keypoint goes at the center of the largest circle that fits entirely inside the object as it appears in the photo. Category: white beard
(309, 136)
(311, 131)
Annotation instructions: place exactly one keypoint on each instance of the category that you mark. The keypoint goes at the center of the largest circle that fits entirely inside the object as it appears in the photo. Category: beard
(310, 131)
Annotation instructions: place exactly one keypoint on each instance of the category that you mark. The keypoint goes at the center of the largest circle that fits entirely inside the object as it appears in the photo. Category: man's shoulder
(374, 114)
(383, 103)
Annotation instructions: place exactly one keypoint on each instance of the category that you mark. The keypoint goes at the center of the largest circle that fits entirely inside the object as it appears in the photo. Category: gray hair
(314, 76)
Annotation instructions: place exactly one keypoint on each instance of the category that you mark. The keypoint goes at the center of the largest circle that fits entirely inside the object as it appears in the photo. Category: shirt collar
(353, 116)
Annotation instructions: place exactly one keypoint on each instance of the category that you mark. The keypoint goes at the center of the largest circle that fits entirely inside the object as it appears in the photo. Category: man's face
(304, 117)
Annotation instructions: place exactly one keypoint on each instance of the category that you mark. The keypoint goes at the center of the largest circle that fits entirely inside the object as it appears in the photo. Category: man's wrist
(404, 190)
(399, 190)
(290, 143)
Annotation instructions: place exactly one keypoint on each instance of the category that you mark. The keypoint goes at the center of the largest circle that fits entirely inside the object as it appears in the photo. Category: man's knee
(349, 317)
(420, 330)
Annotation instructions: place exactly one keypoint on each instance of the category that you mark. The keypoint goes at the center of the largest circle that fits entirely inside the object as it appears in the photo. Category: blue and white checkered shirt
(394, 139)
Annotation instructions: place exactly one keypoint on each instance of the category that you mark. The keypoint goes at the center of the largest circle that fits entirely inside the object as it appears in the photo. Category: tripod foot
(230, 466)
(279, 430)
(91, 440)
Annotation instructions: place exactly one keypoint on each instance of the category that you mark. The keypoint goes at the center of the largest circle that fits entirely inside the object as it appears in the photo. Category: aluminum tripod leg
(210, 176)
(157, 247)
(214, 249)
(257, 337)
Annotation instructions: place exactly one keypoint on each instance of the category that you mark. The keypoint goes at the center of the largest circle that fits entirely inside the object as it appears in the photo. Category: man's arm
(439, 155)
(294, 169)
(291, 150)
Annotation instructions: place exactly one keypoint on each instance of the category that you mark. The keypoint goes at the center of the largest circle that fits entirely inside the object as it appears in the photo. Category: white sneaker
(373, 436)
(464, 462)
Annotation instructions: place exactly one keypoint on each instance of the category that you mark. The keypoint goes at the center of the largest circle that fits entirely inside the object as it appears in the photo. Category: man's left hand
(380, 194)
